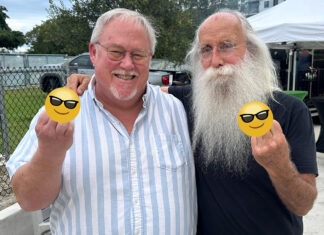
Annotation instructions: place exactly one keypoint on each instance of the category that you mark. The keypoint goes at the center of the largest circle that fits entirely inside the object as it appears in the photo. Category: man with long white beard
(226, 88)
(245, 185)
(258, 185)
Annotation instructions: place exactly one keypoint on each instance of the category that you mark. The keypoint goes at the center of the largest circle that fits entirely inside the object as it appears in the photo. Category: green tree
(9, 39)
(201, 9)
(69, 30)
(3, 17)
(174, 24)
(58, 37)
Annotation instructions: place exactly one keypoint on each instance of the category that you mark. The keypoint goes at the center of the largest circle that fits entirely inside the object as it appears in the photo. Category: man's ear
(93, 52)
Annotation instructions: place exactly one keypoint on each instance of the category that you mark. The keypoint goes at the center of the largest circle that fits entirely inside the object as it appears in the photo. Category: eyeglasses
(260, 115)
(225, 48)
(117, 54)
(70, 104)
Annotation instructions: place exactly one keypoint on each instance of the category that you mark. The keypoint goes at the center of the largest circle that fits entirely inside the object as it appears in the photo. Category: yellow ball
(255, 118)
(62, 104)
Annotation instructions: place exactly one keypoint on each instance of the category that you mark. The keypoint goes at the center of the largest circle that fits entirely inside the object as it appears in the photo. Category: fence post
(3, 120)
(25, 70)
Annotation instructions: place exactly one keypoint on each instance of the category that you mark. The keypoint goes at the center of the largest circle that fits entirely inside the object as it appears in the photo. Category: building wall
(252, 7)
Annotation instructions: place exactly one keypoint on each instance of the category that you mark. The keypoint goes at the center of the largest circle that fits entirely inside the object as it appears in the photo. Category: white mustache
(226, 70)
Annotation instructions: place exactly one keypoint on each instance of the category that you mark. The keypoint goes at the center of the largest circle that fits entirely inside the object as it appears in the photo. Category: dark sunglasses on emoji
(70, 104)
(262, 115)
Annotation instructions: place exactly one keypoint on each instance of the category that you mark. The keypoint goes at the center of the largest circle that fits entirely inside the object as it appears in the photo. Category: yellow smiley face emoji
(62, 104)
(255, 118)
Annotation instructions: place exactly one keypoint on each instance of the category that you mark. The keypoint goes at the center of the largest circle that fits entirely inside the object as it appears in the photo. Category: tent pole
(289, 68)
(294, 70)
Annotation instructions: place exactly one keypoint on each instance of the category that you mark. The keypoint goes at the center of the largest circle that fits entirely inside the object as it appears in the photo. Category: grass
(20, 107)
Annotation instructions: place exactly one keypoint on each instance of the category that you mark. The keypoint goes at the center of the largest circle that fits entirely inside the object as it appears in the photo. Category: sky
(26, 14)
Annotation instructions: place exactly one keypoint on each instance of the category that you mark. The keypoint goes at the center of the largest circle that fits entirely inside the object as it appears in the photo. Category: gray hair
(124, 14)
(256, 48)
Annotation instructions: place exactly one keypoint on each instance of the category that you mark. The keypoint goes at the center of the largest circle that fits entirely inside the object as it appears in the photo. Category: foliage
(3, 17)
(203, 8)
(68, 31)
(175, 26)
(9, 39)
(172, 19)
(58, 37)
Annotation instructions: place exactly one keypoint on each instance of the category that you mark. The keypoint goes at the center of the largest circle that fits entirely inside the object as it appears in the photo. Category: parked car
(162, 72)
(58, 73)
(173, 74)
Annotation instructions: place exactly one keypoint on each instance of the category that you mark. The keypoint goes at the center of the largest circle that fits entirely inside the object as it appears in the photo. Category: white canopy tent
(294, 25)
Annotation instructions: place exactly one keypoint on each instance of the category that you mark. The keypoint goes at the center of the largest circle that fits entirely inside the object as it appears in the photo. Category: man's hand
(78, 82)
(53, 138)
(271, 150)
(297, 191)
(37, 183)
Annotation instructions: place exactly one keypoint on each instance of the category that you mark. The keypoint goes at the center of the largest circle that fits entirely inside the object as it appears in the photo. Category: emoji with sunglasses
(255, 118)
(62, 104)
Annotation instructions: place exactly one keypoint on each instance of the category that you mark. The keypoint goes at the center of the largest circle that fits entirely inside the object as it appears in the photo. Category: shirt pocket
(171, 154)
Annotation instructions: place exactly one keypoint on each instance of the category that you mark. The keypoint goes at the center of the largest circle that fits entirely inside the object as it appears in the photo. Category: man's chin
(123, 94)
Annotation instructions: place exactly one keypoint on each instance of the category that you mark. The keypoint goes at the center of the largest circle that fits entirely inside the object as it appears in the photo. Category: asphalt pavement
(314, 220)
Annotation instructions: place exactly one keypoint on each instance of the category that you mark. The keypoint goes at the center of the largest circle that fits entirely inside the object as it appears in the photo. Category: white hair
(124, 14)
(218, 95)
(256, 47)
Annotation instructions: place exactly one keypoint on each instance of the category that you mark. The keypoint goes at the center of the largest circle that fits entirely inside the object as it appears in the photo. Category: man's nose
(127, 61)
(216, 59)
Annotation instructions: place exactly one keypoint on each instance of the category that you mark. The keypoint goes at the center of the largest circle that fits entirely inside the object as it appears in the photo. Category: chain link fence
(20, 99)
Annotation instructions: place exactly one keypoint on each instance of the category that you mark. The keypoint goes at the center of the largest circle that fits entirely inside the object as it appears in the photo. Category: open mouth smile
(125, 77)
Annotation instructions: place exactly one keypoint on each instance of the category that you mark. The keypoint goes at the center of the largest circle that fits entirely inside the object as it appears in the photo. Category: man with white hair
(124, 165)
(258, 185)
(245, 185)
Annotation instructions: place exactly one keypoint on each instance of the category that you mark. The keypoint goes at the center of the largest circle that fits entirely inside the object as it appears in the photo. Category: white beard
(218, 95)
(122, 95)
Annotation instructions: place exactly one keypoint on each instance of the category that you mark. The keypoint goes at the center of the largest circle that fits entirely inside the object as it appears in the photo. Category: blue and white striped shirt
(116, 183)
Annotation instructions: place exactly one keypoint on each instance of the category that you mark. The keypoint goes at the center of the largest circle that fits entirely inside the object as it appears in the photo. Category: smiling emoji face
(255, 118)
(62, 104)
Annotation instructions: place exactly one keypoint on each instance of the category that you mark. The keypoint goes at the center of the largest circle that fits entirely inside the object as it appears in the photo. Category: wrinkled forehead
(221, 27)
